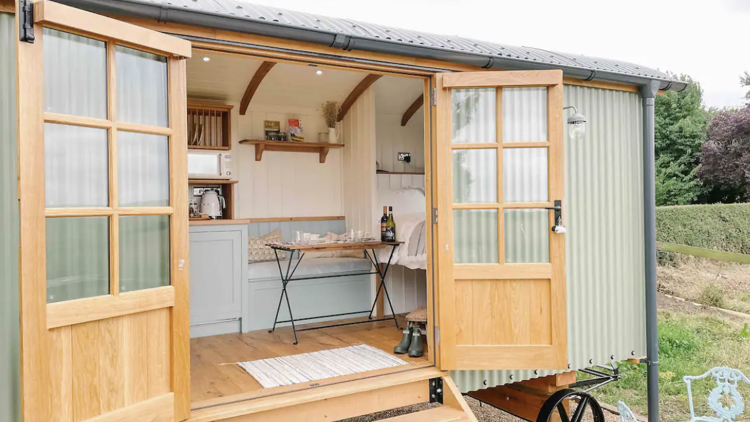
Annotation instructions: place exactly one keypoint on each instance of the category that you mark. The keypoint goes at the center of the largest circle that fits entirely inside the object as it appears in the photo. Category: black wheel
(579, 406)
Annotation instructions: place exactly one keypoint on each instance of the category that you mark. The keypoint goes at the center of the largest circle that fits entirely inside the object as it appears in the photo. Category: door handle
(558, 226)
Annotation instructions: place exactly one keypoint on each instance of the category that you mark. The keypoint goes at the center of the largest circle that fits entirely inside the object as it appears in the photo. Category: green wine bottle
(383, 222)
(390, 227)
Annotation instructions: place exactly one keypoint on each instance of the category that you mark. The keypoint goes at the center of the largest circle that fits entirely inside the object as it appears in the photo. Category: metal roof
(346, 34)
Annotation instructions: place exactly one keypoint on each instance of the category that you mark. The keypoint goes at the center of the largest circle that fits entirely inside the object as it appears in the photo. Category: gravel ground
(484, 413)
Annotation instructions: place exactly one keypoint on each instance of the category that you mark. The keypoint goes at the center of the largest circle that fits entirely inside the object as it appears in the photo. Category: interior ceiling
(225, 77)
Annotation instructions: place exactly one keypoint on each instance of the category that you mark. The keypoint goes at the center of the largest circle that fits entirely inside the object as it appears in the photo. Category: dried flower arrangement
(330, 113)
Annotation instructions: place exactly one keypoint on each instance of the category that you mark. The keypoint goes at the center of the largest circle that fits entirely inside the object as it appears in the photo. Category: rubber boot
(403, 347)
(416, 349)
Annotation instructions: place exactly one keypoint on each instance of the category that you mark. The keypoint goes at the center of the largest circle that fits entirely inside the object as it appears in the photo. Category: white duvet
(412, 230)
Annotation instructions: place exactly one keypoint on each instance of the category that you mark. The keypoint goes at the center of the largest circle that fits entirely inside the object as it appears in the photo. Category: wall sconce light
(576, 125)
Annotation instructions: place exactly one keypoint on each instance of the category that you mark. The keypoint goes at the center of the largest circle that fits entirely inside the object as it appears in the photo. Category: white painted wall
(360, 190)
(393, 138)
(284, 184)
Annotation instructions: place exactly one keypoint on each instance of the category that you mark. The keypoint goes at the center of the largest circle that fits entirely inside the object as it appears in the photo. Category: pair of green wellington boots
(411, 342)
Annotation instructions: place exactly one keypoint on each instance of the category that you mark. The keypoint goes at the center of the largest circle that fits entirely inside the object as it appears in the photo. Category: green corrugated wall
(10, 384)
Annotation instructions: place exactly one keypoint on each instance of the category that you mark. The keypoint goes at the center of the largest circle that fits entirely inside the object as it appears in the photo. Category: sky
(700, 38)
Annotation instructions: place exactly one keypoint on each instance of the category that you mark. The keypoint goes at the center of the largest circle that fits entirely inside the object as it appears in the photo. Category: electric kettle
(212, 204)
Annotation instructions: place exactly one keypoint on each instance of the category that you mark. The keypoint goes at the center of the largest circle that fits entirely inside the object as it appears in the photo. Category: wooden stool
(419, 318)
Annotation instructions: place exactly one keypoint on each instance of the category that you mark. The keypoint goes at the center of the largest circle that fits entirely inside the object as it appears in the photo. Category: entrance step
(437, 414)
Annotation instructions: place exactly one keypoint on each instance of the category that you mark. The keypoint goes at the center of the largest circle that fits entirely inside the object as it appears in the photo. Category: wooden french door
(104, 231)
(501, 268)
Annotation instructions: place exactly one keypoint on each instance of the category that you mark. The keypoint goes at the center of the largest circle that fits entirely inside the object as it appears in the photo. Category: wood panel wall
(284, 184)
(85, 379)
(393, 138)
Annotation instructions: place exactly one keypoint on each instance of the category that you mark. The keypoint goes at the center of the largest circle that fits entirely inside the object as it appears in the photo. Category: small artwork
(272, 130)
(296, 131)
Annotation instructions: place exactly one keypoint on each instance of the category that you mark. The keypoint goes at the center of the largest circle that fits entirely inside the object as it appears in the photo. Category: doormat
(306, 367)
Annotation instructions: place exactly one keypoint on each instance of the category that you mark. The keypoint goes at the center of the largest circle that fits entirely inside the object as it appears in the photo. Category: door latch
(558, 226)
(26, 21)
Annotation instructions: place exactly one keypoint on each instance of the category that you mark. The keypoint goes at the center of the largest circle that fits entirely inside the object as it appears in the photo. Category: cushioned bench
(309, 298)
(308, 267)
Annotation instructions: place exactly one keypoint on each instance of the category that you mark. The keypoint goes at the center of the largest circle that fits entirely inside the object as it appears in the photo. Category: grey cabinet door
(215, 276)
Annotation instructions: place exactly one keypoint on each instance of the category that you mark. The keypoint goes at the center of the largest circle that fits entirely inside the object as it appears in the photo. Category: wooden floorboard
(216, 378)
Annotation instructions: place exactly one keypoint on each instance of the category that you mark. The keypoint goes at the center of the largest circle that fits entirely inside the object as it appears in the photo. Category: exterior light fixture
(318, 72)
(206, 59)
(576, 125)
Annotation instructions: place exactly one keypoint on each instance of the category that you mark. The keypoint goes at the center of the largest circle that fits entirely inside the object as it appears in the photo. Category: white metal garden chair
(724, 399)
(626, 415)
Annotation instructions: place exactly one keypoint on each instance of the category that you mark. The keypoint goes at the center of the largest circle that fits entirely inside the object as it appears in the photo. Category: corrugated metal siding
(604, 245)
(242, 10)
(10, 360)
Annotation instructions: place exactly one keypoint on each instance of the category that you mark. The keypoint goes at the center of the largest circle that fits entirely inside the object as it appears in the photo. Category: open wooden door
(501, 268)
(104, 230)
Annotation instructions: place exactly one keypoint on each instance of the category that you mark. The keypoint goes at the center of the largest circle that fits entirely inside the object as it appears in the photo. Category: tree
(680, 130)
(725, 157)
(745, 81)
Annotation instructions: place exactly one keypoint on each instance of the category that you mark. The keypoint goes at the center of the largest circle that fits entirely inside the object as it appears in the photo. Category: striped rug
(306, 367)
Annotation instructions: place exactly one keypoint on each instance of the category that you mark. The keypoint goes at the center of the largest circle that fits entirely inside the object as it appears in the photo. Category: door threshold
(236, 406)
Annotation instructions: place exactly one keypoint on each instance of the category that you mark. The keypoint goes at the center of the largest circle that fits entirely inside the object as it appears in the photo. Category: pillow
(257, 251)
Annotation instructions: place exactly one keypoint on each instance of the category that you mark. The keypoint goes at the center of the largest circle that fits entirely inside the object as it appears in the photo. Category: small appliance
(212, 204)
(209, 165)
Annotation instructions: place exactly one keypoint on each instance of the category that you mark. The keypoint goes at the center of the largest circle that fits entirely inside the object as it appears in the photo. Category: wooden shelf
(289, 146)
(211, 182)
(226, 148)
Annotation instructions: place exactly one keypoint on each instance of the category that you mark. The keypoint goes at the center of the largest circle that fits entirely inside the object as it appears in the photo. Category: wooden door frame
(37, 317)
(556, 357)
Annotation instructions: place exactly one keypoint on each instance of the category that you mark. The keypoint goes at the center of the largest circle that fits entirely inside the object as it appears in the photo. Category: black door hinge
(26, 20)
(436, 390)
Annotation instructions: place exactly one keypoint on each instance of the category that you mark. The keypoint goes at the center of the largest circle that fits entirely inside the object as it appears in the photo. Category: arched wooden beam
(416, 105)
(356, 92)
(261, 73)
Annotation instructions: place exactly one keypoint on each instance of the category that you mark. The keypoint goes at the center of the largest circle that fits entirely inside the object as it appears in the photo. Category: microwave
(209, 165)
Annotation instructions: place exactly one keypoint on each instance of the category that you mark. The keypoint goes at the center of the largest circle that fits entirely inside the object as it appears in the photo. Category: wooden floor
(215, 377)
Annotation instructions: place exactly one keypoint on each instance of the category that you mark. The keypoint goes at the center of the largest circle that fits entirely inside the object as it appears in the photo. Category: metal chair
(626, 415)
(726, 390)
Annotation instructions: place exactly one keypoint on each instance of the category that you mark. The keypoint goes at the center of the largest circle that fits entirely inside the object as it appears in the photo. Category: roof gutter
(166, 13)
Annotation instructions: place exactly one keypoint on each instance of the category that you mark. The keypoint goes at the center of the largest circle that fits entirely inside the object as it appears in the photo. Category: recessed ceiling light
(318, 72)
(206, 59)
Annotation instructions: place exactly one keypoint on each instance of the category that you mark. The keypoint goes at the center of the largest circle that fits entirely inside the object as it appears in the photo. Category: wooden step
(437, 414)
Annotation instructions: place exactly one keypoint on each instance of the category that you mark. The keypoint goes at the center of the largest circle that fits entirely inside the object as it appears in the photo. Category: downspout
(648, 92)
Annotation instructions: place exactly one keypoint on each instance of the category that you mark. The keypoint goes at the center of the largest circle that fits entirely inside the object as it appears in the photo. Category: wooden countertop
(219, 222)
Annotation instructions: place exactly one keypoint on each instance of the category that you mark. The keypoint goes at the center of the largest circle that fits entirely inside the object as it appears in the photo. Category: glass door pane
(143, 167)
(76, 166)
(144, 252)
(141, 87)
(75, 74)
(77, 258)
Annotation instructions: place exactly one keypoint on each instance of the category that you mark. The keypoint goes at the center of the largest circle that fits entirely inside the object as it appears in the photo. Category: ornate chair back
(724, 399)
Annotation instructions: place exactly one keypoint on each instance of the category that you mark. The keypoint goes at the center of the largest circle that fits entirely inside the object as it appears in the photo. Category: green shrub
(712, 295)
(722, 227)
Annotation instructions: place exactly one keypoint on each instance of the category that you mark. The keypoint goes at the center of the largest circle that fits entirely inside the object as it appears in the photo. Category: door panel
(102, 184)
(502, 269)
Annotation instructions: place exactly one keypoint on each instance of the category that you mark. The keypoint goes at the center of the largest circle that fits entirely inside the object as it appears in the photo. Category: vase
(333, 137)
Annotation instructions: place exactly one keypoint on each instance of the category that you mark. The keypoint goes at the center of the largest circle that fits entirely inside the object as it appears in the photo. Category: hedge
(722, 227)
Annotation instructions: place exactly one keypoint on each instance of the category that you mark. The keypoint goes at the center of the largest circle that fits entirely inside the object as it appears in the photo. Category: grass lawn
(690, 343)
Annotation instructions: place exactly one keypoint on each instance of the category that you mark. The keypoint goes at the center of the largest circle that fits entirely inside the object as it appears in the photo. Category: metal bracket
(433, 96)
(602, 376)
(434, 215)
(26, 21)
(436, 390)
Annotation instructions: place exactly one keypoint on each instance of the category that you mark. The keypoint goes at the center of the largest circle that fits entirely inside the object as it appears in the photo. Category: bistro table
(286, 278)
